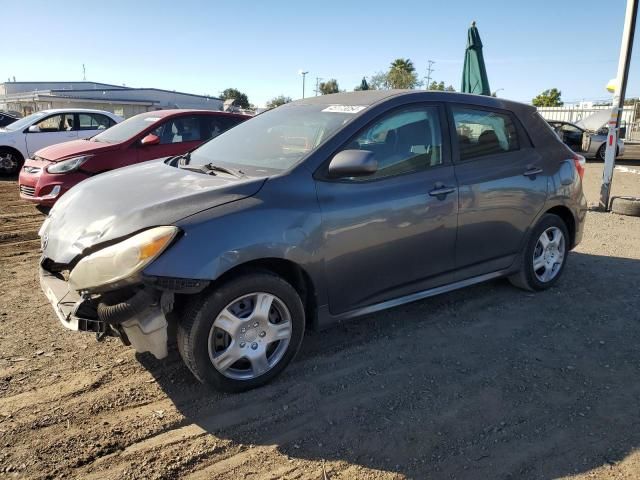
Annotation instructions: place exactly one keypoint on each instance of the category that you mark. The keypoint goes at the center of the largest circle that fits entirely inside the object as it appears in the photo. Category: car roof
(71, 110)
(185, 111)
(370, 97)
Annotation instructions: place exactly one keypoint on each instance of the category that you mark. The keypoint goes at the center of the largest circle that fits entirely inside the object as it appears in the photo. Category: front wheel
(10, 162)
(544, 256)
(602, 150)
(242, 334)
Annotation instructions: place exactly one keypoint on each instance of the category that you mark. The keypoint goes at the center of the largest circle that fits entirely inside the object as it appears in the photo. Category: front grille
(28, 191)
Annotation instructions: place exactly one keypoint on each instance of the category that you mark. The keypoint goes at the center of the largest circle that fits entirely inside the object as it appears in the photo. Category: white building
(29, 97)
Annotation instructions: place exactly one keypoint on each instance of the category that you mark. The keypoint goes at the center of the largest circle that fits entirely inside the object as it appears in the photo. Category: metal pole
(618, 102)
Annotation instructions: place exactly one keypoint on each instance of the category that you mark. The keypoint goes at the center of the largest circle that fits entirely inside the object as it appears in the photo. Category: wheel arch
(567, 217)
(290, 271)
(13, 150)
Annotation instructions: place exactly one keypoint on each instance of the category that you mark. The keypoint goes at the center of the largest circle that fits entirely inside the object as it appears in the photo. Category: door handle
(441, 191)
(532, 171)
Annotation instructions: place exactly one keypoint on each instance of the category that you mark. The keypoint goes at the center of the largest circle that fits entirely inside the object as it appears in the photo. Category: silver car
(593, 146)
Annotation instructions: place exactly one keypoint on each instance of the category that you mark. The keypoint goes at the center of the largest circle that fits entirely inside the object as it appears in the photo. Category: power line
(317, 90)
(430, 70)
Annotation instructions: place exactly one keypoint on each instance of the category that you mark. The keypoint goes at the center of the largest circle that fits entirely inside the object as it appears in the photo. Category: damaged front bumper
(139, 321)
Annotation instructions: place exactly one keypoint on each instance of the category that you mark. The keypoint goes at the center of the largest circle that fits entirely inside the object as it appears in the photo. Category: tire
(218, 317)
(554, 259)
(601, 151)
(626, 206)
(11, 162)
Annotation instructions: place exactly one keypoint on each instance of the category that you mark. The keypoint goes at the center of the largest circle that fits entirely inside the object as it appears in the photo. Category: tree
(450, 89)
(241, 99)
(330, 86)
(402, 74)
(403, 64)
(379, 81)
(548, 98)
(363, 85)
(438, 86)
(277, 101)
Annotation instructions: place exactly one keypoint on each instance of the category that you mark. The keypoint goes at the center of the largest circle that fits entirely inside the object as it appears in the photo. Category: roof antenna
(84, 73)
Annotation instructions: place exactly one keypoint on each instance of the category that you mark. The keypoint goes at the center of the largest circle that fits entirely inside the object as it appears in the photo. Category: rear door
(502, 185)
(177, 135)
(386, 235)
(53, 129)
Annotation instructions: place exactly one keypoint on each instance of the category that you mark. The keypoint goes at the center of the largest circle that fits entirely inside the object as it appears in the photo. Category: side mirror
(353, 163)
(34, 129)
(150, 139)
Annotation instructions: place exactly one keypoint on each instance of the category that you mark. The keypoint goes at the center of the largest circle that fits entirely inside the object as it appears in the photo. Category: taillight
(580, 163)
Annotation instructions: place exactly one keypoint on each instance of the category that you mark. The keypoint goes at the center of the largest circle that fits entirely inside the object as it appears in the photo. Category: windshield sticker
(344, 108)
(152, 119)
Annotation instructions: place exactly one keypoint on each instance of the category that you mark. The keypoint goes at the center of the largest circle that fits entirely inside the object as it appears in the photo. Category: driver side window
(57, 123)
(405, 141)
(178, 130)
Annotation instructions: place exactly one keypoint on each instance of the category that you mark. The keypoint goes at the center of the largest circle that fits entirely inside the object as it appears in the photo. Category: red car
(163, 133)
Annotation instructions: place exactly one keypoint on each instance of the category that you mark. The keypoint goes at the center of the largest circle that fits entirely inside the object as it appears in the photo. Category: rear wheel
(544, 256)
(10, 162)
(242, 334)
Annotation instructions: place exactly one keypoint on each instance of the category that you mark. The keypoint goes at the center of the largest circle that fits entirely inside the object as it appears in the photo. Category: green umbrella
(474, 74)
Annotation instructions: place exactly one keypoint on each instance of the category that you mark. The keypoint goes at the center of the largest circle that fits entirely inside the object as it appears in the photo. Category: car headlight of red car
(69, 165)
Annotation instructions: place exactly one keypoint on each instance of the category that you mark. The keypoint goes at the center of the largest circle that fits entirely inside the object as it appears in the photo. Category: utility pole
(429, 71)
(318, 85)
(304, 74)
(84, 73)
(618, 102)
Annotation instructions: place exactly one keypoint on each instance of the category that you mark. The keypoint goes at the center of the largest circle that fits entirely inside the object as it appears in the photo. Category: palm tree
(404, 64)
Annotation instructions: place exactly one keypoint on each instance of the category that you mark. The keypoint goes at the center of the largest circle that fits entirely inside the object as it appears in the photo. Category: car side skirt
(325, 319)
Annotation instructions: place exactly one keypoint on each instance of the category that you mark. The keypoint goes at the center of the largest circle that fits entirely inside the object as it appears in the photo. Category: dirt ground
(488, 382)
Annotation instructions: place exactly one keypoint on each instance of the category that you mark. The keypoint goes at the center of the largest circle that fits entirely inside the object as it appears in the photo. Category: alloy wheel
(8, 162)
(250, 336)
(549, 254)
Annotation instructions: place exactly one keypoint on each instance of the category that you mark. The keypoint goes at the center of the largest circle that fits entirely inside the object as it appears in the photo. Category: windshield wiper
(209, 168)
(218, 168)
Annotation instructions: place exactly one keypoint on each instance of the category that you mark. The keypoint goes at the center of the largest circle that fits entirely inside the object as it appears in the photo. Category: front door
(388, 233)
(502, 187)
(51, 130)
(177, 135)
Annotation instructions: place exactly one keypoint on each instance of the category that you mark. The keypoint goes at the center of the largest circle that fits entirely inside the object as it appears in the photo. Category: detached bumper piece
(138, 319)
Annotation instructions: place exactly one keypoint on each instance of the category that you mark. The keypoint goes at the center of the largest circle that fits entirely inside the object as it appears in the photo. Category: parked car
(22, 138)
(596, 143)
(314, 212)
(6, 119)
(55, 169)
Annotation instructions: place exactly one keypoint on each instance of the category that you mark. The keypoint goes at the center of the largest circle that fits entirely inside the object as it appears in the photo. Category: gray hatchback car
(315, 212)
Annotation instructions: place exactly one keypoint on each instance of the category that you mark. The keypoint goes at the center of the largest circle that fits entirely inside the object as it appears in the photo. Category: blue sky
(259, 47)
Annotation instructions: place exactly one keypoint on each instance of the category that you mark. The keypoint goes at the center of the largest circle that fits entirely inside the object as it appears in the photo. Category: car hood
(594, 121)
(116, 204)
(64, 150)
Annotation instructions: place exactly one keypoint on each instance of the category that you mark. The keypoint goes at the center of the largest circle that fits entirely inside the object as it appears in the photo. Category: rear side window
(403, 142)
(483, 132)
(214, 125)
(94, 121)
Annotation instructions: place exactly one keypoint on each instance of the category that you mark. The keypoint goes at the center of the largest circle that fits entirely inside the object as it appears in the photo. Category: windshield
(26, 121)
(127, 129)
(275, 140)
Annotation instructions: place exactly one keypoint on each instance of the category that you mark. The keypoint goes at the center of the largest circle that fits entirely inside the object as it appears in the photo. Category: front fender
(275, 224)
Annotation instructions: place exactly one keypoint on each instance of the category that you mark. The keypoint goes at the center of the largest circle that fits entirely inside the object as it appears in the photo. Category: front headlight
(121, 262)
(68, 165)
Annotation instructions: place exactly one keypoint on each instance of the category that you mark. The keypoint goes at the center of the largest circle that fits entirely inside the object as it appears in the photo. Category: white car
(21, 139)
